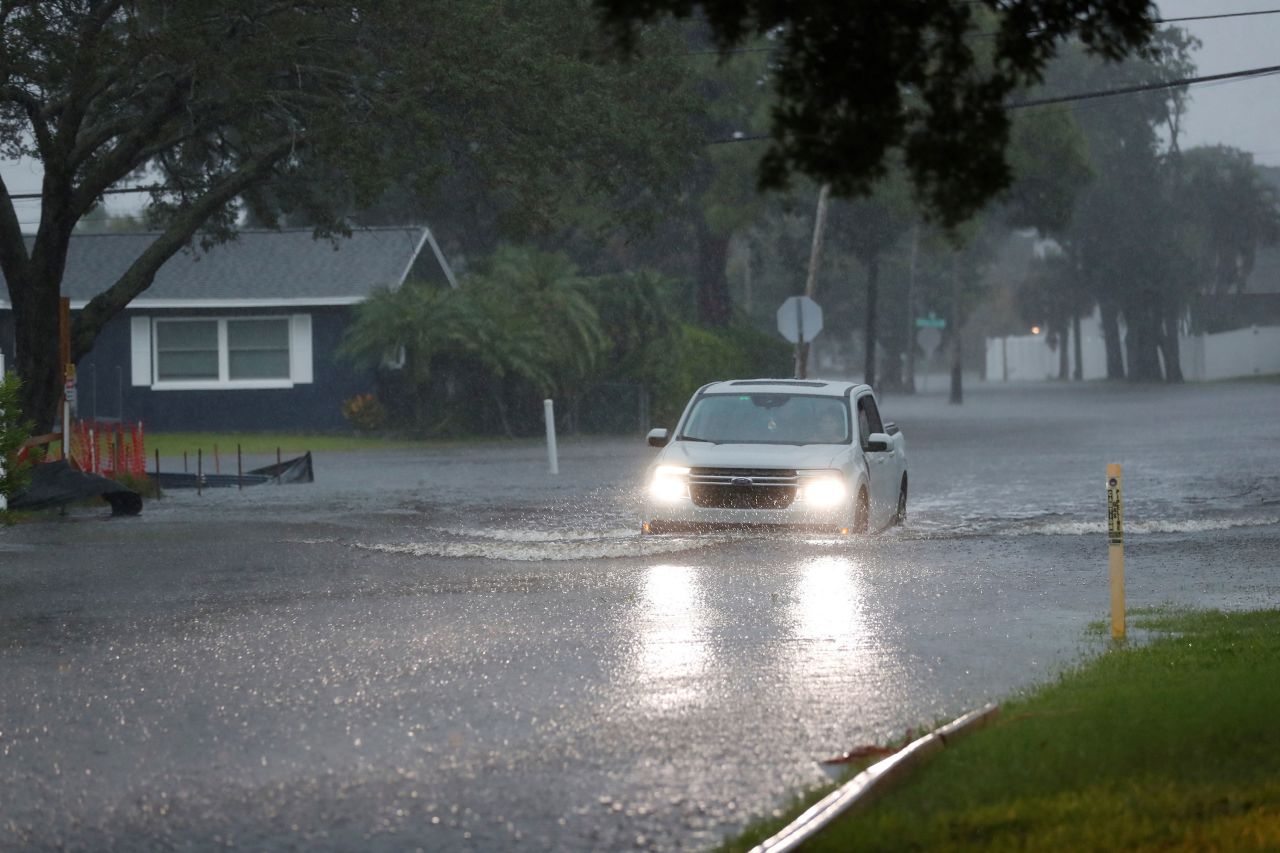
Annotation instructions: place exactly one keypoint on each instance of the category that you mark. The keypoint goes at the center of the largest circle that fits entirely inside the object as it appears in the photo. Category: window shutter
(300, 369)
(140, 344)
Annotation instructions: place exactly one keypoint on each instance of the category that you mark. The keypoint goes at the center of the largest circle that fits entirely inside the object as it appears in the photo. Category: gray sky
(1244, 114)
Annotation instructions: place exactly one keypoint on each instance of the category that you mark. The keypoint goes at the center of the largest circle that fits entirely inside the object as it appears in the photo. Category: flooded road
(450, 649)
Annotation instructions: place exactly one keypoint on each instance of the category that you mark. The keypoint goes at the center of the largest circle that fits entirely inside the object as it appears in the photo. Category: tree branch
(80, 92)
(35, 113)
(127, 154)
(13, 249)
(98, 134)
(184, 226)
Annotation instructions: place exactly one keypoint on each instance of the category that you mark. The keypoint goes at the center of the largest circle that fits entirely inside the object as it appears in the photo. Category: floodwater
(451, 649)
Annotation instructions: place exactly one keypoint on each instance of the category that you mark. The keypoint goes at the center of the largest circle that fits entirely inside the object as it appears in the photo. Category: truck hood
(696, 454)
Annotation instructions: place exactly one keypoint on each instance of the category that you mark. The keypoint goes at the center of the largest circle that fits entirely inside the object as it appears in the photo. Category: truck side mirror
(659, 437)
(877, 442)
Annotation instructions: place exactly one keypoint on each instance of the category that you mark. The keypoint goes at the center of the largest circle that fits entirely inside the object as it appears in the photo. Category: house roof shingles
(259, 265)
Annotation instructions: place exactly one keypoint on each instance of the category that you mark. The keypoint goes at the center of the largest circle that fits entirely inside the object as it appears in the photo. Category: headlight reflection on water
(821, 629)
(672, 654)
(829, 600)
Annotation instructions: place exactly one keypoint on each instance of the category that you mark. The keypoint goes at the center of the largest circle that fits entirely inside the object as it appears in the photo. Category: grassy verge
(1173, 745)
(290, 444)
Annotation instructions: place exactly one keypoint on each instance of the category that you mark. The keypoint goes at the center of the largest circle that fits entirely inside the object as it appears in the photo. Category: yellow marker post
(1115, 548)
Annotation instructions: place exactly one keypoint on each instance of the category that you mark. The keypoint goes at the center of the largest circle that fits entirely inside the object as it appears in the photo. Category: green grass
(290, 444)
(1170, 745)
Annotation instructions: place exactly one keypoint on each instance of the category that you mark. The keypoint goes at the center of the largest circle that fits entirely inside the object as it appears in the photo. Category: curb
(874, 779)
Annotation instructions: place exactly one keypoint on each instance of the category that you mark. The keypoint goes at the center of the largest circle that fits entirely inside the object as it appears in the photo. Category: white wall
(1019, 358)
(1244, 352)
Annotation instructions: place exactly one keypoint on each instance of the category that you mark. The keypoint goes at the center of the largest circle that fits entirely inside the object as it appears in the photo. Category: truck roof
(816, 387)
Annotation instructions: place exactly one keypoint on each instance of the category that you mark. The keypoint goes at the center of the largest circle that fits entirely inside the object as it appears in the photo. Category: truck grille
(742, 488)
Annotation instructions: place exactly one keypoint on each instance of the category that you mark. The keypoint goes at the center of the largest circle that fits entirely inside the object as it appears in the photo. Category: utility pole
(957, 362)
(909, 381)
(65, 370)
(811, 282)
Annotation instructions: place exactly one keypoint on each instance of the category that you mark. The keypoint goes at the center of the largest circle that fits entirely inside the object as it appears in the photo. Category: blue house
(243, 336)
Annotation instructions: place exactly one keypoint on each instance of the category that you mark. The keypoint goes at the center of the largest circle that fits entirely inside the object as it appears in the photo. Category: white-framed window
(193, 353)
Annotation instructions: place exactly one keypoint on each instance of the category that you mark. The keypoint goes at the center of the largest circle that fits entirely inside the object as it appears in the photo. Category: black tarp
(296, 470)
(58, 484)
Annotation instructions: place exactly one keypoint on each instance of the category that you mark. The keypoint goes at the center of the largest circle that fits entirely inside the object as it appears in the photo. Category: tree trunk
(909, 373)
(35, 291)
(1064, 360)
(1078, 375)
(873, 297)
(957, 357)
(1111, 338)
(1170, 346)
(1142, 342)
(36, 285)
(498, 387)
(713, 282)
(957, 369)
(890, 369)
(35, 336)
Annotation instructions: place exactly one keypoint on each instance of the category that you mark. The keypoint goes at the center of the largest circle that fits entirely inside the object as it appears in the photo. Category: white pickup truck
(795, 453)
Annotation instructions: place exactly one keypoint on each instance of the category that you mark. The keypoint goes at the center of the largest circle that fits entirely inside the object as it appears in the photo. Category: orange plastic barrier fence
(110, 448)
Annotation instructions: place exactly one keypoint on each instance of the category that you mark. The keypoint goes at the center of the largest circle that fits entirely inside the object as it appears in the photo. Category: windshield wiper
(695, 438)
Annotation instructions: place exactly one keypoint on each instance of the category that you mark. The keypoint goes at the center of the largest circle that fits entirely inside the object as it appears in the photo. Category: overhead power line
(17, 196)
(1215, 17)
(1088, 96)
(1145, 87)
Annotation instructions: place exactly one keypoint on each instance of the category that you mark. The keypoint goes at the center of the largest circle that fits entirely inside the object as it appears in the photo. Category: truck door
(883, 466)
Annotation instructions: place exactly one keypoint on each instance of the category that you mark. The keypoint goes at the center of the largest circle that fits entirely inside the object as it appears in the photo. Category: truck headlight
(826, 491)
(669, 483)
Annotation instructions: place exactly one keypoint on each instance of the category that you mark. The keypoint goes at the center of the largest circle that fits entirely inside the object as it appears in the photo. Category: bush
(364, 412)
(14, 432)
(693, 356)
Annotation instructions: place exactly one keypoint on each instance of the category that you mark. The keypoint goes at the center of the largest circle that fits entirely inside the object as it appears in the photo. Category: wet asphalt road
(449, 649)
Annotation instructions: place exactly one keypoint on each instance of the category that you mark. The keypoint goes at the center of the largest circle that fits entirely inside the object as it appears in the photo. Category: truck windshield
(768, 419)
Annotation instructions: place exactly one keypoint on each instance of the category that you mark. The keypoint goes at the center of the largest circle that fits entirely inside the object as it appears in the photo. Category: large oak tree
(857, 79)
(207, 101)
(310, 110)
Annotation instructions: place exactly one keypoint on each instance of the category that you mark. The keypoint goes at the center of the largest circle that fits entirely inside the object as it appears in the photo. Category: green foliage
(510, 119)
(691, 356)
(1050, 161)
(544, 130)
(1158, 225)
(146, 486)
(636, 309)
(525, 315)
(14, 431)
(297, 101)
(916, 77)
(528, 324)
(547, 330)
(1234, 210)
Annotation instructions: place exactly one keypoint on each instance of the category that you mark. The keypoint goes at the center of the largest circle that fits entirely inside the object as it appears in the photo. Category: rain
(484, 310)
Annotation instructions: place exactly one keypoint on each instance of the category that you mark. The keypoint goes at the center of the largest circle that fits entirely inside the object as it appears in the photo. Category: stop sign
(799, 318)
